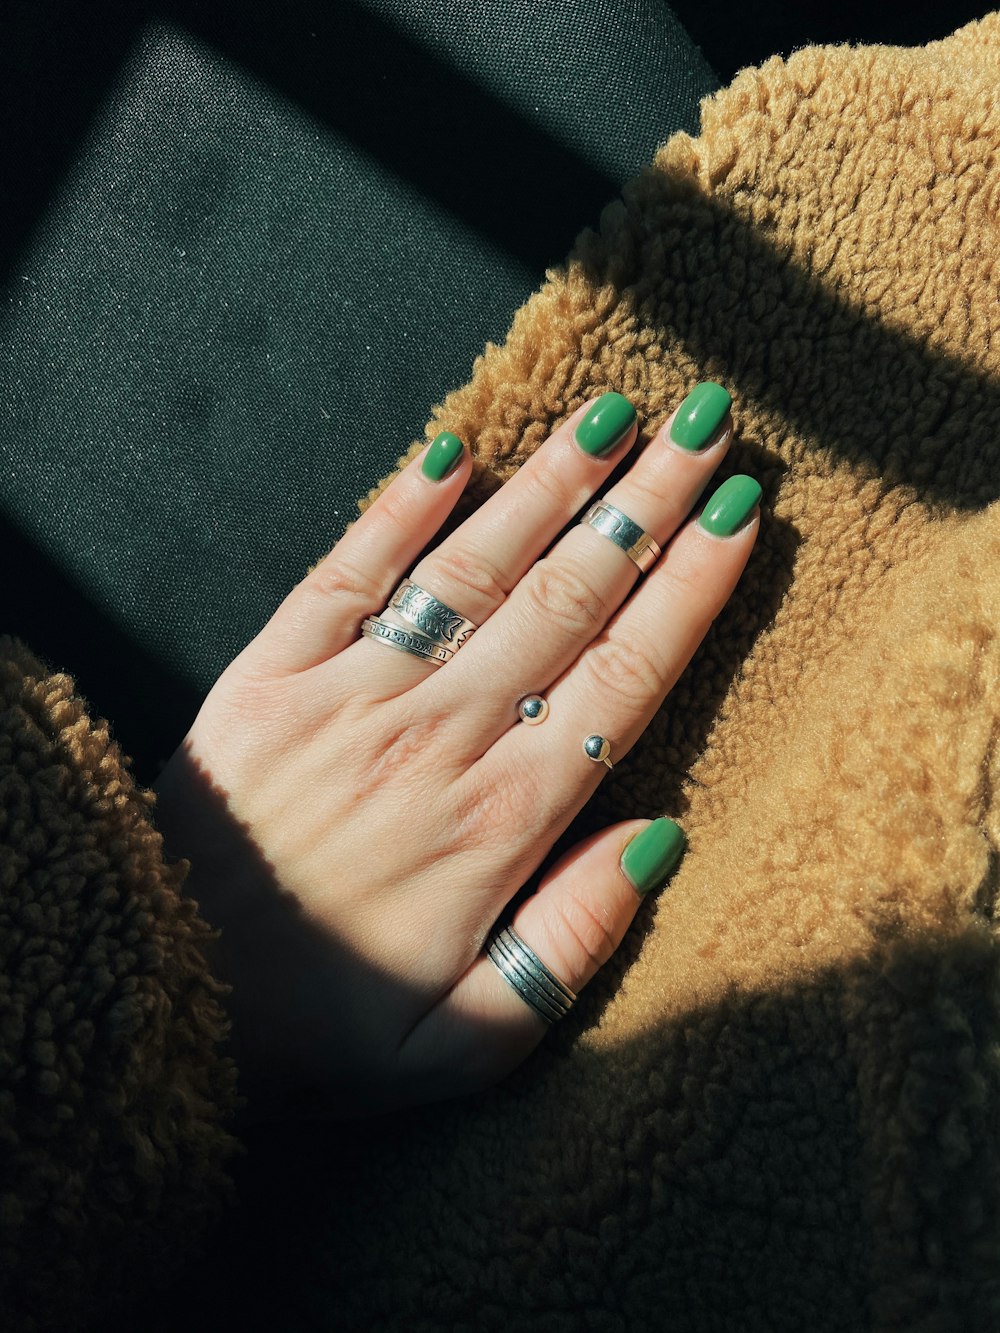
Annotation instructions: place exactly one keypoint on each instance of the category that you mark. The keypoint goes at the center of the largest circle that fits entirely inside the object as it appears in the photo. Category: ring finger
(619, 682)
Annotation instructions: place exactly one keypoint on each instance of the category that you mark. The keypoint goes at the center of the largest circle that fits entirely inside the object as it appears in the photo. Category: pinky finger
(484, 1027)
(323, 613)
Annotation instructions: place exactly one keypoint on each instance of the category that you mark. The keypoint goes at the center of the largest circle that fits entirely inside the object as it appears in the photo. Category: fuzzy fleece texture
(776, 1108)
(114, 1097)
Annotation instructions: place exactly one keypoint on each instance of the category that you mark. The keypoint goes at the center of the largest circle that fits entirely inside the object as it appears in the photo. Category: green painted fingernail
(652, 854)
(604, 425)
(442, 457)
(730, 506)
(700, 415)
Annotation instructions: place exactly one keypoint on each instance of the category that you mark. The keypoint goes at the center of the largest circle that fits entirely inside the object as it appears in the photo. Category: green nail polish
(652, 854)
(730, 506)
(700, 415)
(604, 425)
(442, 457)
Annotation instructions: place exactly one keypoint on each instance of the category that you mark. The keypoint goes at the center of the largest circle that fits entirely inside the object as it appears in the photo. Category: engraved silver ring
(425, 613)
(626, 534)
(407, 641)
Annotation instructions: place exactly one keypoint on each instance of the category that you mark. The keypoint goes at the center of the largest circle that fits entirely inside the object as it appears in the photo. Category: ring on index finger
(423, 626)
(431, 617)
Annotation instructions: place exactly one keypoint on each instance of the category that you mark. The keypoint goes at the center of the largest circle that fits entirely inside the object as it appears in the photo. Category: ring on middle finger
(626, 534)
(425, 613)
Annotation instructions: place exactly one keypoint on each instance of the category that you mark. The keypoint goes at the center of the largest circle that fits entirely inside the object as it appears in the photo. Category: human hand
(358, 818)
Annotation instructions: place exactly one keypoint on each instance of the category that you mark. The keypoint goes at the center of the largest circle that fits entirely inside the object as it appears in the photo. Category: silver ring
(431, 617)
(626, 534)
(417, 645)
(598, 748)
(525, 972)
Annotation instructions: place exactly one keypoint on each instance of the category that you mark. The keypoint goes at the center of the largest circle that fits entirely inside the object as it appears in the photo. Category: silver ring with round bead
(533, 709)
(598, 748)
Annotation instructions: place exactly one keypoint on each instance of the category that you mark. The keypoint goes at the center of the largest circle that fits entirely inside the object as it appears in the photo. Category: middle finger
(566, 598)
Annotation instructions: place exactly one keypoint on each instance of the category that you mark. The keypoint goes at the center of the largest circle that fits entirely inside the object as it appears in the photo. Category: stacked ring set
(431, 630)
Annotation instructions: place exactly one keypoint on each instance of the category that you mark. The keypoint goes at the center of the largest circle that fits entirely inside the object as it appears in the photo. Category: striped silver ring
(525, 973)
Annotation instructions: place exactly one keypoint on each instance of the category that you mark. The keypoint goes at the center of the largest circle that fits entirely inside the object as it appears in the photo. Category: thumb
(573, 924)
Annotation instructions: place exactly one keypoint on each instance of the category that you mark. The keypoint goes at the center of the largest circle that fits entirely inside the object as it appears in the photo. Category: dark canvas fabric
(285, 233)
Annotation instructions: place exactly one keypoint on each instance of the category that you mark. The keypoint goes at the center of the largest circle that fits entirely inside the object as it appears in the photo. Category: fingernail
(606, 422)
(443, 456)
(652, 854)
(730, 506)
(700, 415)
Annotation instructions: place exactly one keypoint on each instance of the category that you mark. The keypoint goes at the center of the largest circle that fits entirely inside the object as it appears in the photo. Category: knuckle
(242, 698)
(399, 750)
(336, 579)
(395, 510)
(558, 592)
(685, 584)
(502, 814)
(476, 573)
(333, 589)
(481, 815)
(625, 669)
(546, 483)
(585, 934)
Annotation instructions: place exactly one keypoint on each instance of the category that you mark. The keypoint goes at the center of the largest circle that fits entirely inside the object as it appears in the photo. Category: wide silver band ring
(407, 641)
(525, 973)
(425, 613)
(626, 534)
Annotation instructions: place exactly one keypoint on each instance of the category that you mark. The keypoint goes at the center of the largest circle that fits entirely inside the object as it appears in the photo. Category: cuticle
(724, 438)
(718, 537)
(602, 457)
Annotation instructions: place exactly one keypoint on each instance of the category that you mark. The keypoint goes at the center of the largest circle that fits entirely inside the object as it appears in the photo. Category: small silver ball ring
(598, 748)
(533, 709)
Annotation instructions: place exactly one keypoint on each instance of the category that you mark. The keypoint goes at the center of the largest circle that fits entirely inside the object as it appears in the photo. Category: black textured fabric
(286, 231)
(734, 35)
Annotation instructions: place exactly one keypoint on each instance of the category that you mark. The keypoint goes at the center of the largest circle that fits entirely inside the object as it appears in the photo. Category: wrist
(234, 893)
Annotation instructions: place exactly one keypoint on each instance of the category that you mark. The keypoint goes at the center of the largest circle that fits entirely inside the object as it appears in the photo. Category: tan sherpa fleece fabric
(114, 1095)
(779, 1107)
